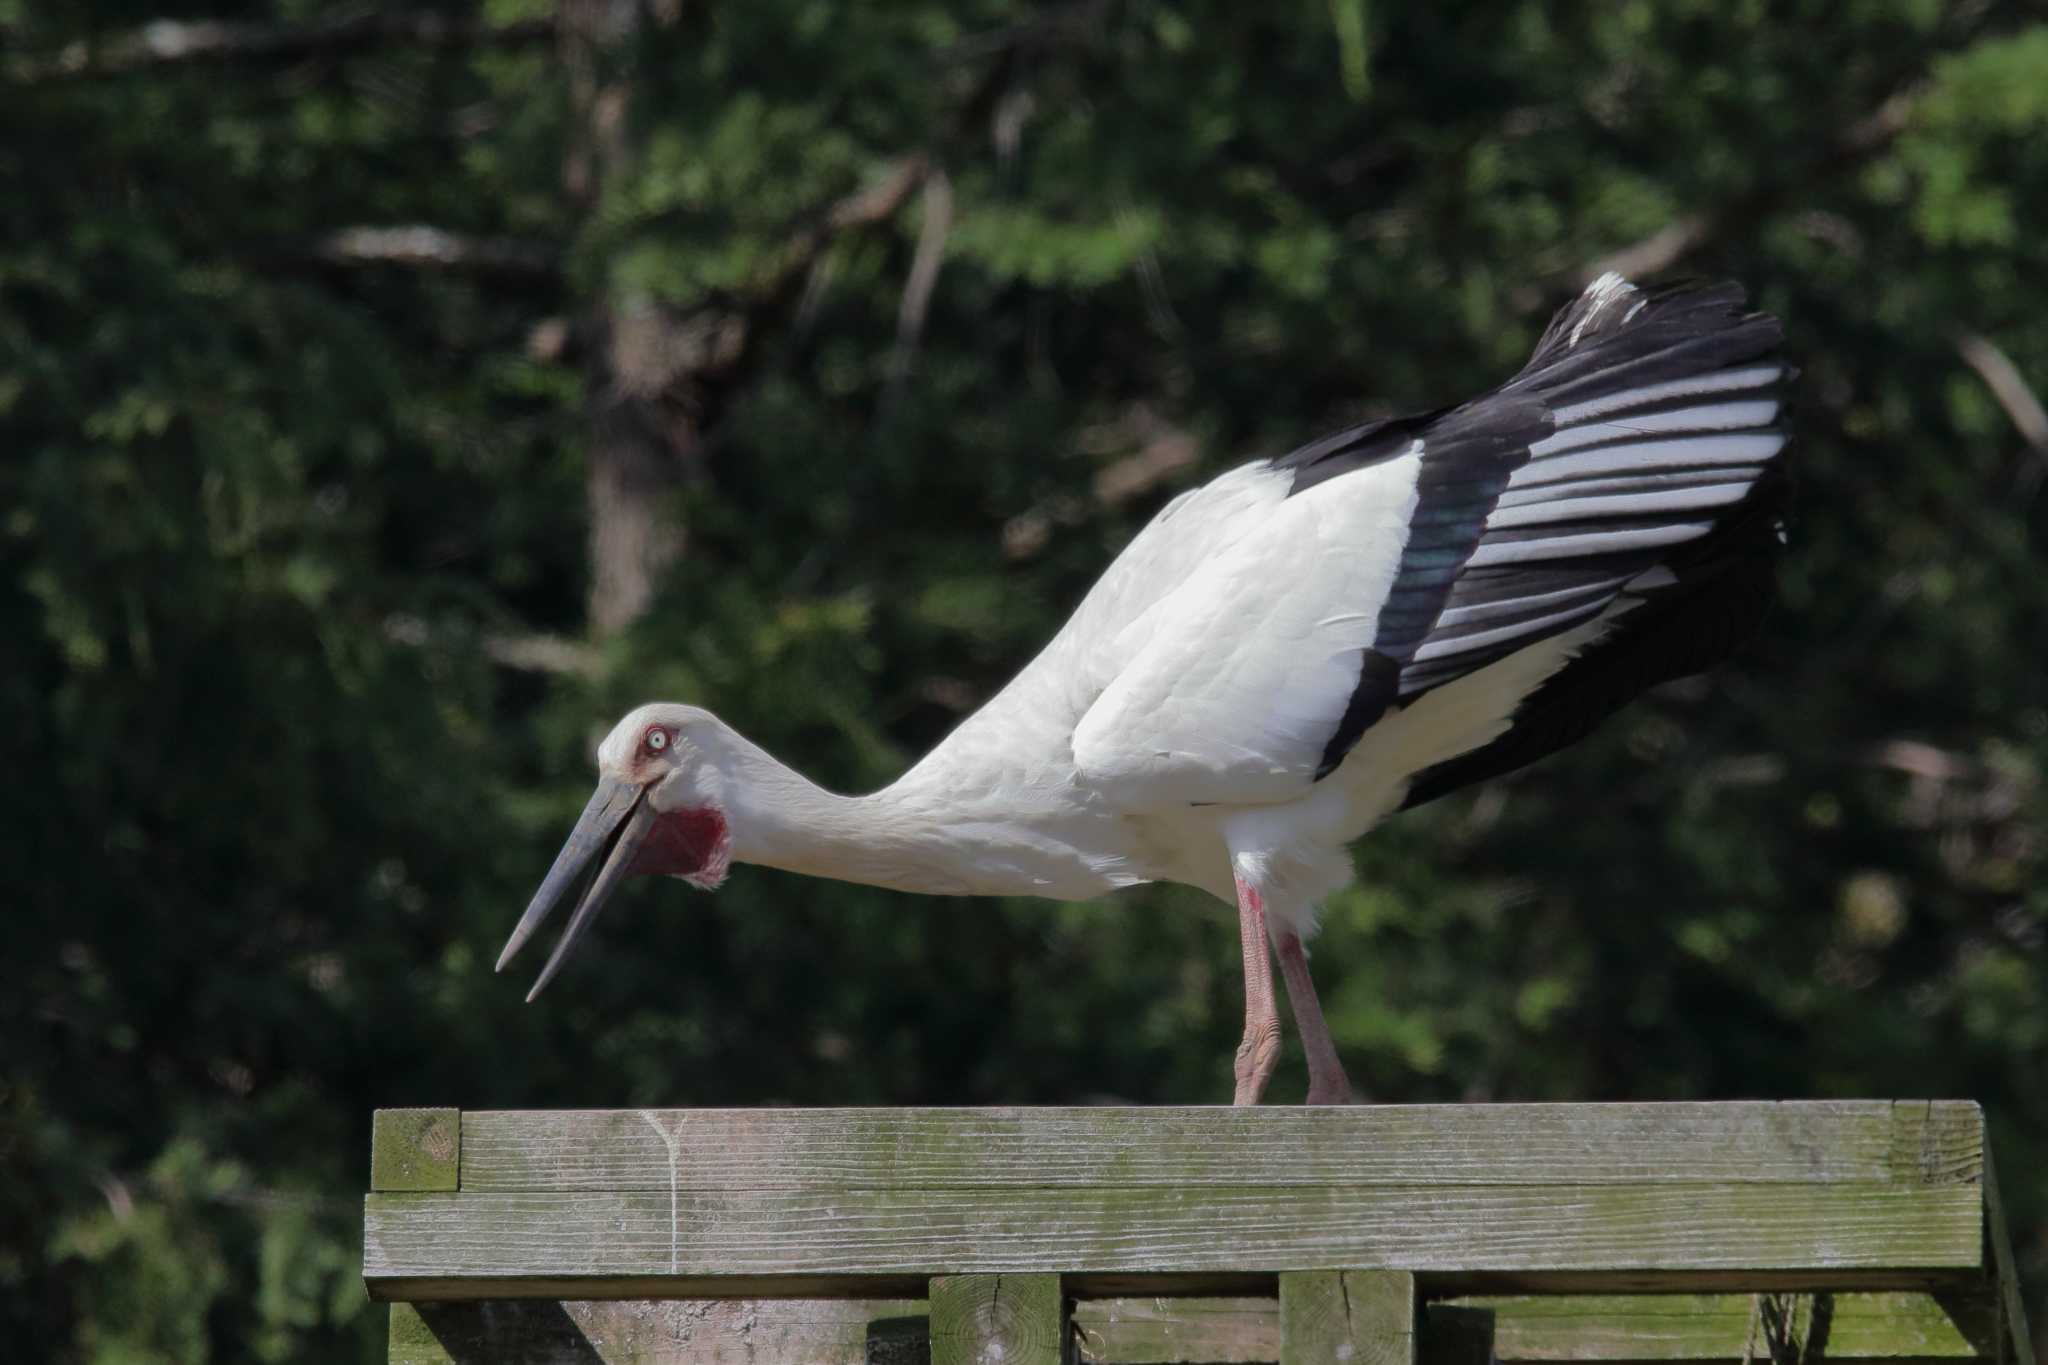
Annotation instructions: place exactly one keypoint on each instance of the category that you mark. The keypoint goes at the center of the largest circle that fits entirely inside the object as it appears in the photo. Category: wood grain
(1172, 1331)
(1822, 1142)
(481, 1240)
(1347, 1317)
(996, 1320)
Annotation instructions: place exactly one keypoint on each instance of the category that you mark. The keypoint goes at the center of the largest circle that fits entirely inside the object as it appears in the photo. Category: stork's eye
(657, 740)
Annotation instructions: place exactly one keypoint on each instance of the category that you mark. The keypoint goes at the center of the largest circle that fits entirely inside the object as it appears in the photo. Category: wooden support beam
(2003, 1285)
(1347, 1317)
(997, 1320)
(865, 1242)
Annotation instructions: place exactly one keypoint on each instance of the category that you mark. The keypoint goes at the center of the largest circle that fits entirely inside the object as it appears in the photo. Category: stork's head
(659, 808)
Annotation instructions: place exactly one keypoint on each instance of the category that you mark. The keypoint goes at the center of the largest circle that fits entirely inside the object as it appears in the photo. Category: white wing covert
(1228, 686)
(1024, 732)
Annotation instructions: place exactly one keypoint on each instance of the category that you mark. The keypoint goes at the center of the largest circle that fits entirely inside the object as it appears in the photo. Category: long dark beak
(616, 816)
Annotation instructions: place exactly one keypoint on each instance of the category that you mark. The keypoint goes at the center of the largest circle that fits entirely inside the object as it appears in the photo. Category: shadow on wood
(508, 1332)
(661, 1332)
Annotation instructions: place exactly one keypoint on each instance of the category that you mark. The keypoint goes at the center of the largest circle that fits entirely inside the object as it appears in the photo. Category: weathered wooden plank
(415, 1149)
(661, 1332)
(488, 1241)
(1167, 1331)
(1347, 1317)
(1688, 1329)
(1919, 1142)
(1699, 1329)
(1694, 1327)
(996, 1320)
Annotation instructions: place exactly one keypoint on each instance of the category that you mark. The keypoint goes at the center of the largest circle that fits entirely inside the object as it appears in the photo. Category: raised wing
(1400, 557)
(1665, 422)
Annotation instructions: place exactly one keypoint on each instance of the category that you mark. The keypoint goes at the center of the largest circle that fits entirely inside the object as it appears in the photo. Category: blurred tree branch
(1155, 450)
(1856, 144)
(923, 276)
(877, 203)
(164, 43)
(425, 247)
(2008, 386)
(1688, 233)
(540, 653)
(432, 248)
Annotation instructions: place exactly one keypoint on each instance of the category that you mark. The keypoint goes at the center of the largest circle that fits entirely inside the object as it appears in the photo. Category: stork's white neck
(908, 837)
(781, 819)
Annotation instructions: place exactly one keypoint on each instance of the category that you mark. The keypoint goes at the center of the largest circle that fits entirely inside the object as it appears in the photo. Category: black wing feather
(1722, 588)
(1632, 440)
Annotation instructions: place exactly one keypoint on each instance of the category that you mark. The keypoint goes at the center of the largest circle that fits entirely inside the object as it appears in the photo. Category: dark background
(806, 361)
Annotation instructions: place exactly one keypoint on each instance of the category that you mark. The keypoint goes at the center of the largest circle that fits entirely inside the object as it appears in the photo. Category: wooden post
(1347, 1317)
(2004, 1282)
(997, 1320)
(415, 1149)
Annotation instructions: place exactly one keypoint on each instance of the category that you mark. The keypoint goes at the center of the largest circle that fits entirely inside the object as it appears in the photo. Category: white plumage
(1290, 653)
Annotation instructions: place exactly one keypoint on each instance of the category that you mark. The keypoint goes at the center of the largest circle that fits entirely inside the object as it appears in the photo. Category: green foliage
(267, 523)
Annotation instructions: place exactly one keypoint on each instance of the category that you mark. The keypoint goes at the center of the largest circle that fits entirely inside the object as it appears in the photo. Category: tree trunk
(640, 448)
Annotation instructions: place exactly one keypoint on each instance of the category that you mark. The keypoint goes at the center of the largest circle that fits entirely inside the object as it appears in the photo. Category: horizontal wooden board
(1168, 1331)
(849, 1286)
(865, 1235)
(1699, 1327)
(1881, 1329)
(1614, 1329)
(1824, 1142)
(662, 1332)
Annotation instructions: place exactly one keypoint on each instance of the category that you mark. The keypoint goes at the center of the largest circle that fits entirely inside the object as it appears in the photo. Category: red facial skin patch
(692, 844)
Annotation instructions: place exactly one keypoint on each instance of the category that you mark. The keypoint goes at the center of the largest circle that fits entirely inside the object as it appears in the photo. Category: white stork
(1291, 653)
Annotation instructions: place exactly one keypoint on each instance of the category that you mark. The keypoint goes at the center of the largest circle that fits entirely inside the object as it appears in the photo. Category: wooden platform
(1453, 1234)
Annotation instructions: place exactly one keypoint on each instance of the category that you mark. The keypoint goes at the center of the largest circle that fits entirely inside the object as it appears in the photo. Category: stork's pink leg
(1327, 1083)
(1259, 1053)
